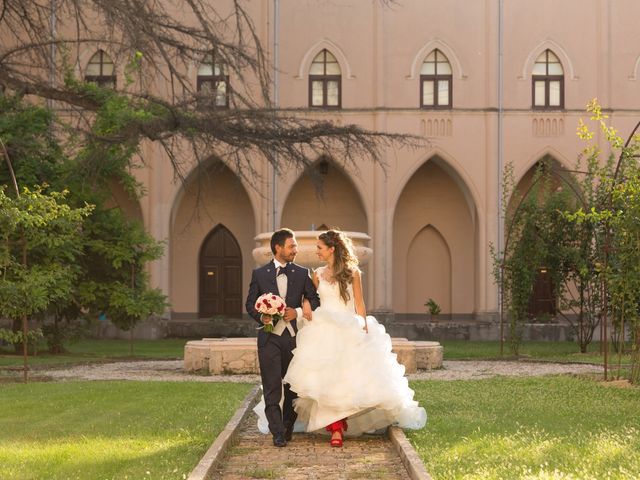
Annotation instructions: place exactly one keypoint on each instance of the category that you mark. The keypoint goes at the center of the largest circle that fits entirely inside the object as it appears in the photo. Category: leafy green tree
(623, 272)
(40, 241)
(112, 252)
(615, 223)
(537, 236)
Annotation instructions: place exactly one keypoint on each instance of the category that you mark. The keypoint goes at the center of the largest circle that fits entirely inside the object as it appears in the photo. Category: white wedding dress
(340, 371)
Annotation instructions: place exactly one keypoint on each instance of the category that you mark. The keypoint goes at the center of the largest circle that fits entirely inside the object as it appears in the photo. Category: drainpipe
(52, 50)
(500, 238)
(276, 104)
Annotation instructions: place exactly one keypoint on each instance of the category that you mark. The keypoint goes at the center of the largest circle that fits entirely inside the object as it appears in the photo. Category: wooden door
(542, 301)
(220, 274)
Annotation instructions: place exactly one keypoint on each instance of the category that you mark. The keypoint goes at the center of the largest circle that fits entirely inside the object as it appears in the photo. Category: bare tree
(160, 41)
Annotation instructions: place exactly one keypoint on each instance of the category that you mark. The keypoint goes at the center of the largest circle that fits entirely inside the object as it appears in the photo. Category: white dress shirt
(282, 281)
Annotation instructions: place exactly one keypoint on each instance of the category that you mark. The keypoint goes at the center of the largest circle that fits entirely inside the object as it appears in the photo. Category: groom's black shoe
(279, 440)
(288, 433)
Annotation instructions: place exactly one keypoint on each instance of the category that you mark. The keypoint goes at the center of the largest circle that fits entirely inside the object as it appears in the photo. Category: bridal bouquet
(270, 304)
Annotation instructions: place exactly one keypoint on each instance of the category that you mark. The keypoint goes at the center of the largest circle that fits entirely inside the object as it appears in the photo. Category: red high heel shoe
(336, 442)
(338, 426)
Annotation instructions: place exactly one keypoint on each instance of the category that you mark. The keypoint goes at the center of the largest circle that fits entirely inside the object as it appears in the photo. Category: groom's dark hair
(280, 238)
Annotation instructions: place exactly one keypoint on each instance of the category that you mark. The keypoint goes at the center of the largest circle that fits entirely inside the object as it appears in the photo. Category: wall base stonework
(153, 328)
(413, 327)
(219, 356)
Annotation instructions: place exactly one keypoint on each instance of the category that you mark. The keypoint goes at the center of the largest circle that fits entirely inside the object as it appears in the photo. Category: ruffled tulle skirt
(340, 371)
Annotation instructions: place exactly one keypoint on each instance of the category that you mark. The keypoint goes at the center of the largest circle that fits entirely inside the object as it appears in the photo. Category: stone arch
(194, 175)
(454, 168)
(547, 151)
(337, 202)
(635, 71)
(557, 49)
(444, 47)
(433, 210)
(524, 179)
(325, 43)
(212, 194)
(125, 201)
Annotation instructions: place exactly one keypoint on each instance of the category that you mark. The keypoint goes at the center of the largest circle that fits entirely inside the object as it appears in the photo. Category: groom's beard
(288, 259)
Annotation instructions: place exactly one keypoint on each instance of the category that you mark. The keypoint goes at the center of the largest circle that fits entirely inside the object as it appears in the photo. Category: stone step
(240, 355)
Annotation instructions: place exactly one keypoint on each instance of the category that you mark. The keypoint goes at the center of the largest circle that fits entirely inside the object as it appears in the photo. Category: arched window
(212, 81)
(325, 79)
(547, 82)
(101, 70)
(435, 81)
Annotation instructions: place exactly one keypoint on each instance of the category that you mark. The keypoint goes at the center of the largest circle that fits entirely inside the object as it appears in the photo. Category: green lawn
(111, 430)
(102, 350)
(539, 351)
(529, 428)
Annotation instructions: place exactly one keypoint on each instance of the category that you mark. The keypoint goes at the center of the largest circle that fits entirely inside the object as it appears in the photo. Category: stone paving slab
(309, 457)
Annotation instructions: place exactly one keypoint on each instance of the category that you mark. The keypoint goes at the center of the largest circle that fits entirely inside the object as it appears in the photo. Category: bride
(343, 370)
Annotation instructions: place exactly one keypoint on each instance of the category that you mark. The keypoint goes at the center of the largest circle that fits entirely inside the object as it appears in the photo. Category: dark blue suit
(275, 352)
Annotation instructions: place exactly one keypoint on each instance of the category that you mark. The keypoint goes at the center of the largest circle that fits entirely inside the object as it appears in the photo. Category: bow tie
(281, 270)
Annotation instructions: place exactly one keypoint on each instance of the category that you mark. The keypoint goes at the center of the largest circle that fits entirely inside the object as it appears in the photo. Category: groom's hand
(290, 314)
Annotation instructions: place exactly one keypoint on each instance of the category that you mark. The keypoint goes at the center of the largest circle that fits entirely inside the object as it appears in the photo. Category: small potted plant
(432, 307)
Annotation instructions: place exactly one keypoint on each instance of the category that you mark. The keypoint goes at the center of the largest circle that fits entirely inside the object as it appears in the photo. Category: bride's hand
(306, 309)
(366, 327)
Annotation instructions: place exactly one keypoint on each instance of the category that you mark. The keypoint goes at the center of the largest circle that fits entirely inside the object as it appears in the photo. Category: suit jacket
(299, 286)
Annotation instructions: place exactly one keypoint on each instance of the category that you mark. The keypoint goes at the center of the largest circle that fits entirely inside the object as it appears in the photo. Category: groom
(293, 283)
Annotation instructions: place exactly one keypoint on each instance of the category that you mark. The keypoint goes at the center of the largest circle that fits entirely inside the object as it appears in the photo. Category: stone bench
(239, 355)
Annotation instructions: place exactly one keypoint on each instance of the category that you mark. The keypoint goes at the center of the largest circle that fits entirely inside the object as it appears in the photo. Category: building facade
(487, 82)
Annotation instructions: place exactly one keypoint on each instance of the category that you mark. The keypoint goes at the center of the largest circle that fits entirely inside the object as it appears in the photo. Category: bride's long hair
(345, 262)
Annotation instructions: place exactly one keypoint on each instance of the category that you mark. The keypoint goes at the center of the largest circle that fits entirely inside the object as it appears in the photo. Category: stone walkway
(172, 370)
(309, 456)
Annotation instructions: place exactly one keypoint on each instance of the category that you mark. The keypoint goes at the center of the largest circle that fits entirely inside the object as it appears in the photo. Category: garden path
(172, 370)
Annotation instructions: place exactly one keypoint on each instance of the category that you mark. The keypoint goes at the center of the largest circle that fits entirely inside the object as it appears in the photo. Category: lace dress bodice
(329, 293)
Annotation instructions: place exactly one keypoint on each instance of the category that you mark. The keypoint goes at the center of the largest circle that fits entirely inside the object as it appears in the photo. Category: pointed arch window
(325, 79)
(213, 82)
(547, 82)
(101, 70)
(436, 81)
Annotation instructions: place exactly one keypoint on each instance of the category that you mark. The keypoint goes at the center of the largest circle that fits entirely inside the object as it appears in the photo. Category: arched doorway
(220, 274)
(434, 242)
(429, 260)
(212, 196)
(542, 301)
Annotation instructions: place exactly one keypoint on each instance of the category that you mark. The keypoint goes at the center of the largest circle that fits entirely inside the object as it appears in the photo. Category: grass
(86, 351)
(109, 430)
(539, 351)
(529, 428)
(254, 472)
